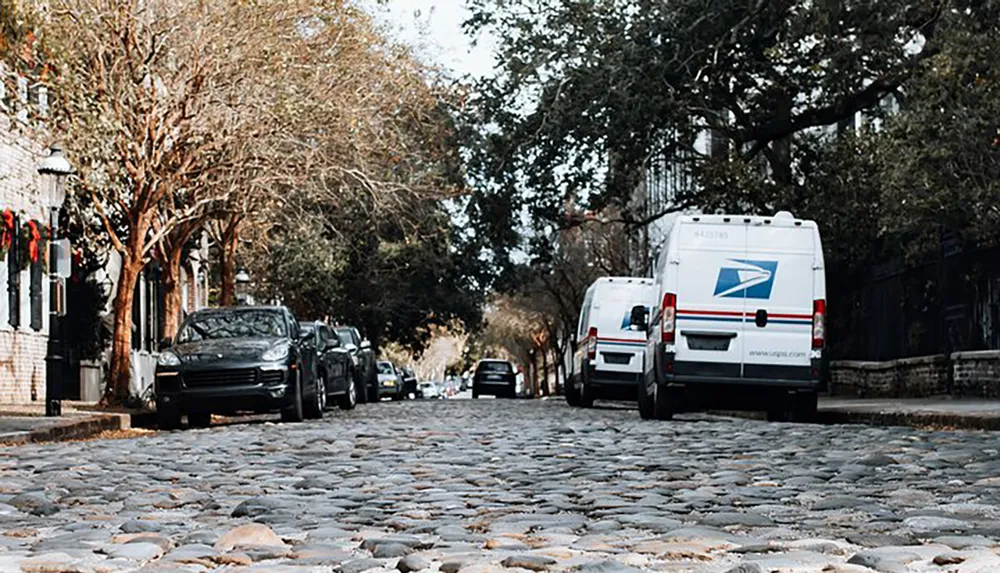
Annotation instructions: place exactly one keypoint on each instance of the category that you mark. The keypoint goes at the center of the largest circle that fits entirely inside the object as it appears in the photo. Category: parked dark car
(410, 382)
(494, 378)
(390, 381)
(332, 365)
(236, 360)
(362, 363)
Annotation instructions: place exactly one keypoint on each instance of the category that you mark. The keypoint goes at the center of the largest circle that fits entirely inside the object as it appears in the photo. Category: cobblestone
(503, 485)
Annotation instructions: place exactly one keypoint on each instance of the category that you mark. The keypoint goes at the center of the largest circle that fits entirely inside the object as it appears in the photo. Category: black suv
(363, 367)
(236, 360)
(496, 378)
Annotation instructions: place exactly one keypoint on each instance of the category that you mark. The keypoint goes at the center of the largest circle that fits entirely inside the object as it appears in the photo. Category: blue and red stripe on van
(621, 342)
(738, 317)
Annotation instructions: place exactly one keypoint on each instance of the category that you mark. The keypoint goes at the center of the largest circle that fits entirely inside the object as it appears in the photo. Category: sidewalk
(942, 412)
(27, 423)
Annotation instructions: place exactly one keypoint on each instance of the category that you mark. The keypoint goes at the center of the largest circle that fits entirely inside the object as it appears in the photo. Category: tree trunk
(229, 241)
(545, 372)
(171, 277)
(120, 375)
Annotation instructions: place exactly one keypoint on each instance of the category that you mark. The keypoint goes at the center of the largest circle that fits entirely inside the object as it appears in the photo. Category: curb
(910, 419)
(70, 430)
(922, 420)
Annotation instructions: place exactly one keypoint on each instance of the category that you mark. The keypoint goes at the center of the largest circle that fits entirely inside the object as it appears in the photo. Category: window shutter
(14, 277)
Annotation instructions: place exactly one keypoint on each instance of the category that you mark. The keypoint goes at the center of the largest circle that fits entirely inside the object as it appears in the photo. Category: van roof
(780, 219)
(626, 280)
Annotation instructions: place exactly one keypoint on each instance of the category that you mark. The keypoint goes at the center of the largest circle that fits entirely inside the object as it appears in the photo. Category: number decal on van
(746, 279)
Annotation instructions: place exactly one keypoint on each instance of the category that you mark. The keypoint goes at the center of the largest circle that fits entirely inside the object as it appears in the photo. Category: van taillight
(669, 307)
(819, 323)
(592, 343)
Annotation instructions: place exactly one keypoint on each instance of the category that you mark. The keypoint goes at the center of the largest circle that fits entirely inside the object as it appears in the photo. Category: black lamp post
(54, 169)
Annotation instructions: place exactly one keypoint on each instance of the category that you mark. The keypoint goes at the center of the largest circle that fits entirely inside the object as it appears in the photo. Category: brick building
(24, 293)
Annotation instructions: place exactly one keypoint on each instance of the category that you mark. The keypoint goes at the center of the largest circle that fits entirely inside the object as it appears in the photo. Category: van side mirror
(365, 345)
(638, 320)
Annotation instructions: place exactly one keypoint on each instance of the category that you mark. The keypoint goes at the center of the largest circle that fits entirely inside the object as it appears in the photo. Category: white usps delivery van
(739, 318)
(607, 363)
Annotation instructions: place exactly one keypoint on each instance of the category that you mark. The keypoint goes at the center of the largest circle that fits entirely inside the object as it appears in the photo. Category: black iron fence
(895, 310)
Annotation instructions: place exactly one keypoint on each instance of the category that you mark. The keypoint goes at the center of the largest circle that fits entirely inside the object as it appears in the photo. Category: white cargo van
(607, 363)
(739, 318)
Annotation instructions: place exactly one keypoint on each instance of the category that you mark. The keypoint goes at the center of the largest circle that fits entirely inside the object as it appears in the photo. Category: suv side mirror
(638, 318)
(365, 345)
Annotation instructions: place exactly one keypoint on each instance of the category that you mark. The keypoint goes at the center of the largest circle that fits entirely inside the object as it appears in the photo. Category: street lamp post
(54, 169)
(242, 287)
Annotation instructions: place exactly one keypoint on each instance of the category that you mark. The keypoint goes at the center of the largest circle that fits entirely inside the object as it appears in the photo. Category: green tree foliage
(392, 277)
(588, 90)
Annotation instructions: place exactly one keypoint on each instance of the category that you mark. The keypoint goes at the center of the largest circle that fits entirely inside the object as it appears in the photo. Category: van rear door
(710, 304)
(619, 348)
(777, 336)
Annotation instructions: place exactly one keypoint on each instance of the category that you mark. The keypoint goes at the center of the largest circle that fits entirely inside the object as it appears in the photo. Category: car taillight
(819, 320)
(592, 343)
(669, 317)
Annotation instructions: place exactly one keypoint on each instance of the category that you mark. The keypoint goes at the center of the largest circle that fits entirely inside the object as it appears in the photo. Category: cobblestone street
(493, 485)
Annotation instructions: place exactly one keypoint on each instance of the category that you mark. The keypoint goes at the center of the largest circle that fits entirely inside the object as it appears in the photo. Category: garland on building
(6, 232)
(34, 240)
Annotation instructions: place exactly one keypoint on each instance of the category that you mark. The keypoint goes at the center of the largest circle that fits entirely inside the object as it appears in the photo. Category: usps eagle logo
(746, 279)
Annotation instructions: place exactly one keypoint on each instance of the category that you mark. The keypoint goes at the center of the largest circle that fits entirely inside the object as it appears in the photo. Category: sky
(434, 29)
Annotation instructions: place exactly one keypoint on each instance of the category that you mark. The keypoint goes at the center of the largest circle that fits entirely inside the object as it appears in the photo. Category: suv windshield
(498, 367)
(385, 368)
(345, 336)
(234, 324)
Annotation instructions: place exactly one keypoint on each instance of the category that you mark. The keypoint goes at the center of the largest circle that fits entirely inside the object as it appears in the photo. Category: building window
(14, 278)
(35, 291)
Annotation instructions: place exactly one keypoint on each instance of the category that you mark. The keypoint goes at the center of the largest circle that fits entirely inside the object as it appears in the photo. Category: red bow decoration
(7, 233)
(33, 238)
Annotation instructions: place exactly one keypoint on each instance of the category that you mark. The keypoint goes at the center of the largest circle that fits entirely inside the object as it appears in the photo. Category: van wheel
(645, 402)
(661, 403)
(572, 396)
(586, 396)
(804, 407)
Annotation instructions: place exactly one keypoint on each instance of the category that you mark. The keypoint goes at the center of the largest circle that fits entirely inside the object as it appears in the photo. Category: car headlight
(279, 352)
(168, 358)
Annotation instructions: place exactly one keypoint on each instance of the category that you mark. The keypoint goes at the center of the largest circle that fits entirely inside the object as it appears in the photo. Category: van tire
(645, 402)
(804, 408)
(586, 396)
(572, 396)
(661, 403)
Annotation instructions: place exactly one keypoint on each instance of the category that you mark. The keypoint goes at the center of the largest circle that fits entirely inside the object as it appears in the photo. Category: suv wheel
(361, 387)
(294, 412)
(350, 398)
(200, 419)
(167, 417)
(318, 404)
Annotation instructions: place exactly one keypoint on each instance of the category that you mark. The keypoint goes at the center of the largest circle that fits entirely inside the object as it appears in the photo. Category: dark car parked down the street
(236, 360)
(332, 365)
(494, 378)
(363, 368)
